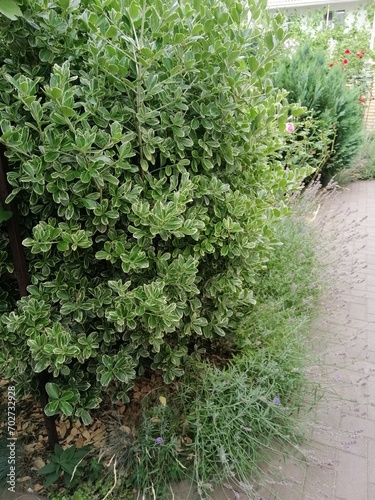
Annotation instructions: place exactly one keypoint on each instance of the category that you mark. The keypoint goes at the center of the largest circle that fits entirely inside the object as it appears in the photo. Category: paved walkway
(340, 461)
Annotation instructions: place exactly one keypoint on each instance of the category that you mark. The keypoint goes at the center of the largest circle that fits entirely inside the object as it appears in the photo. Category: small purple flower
(159, 440)
(289, 127)
(276, 401)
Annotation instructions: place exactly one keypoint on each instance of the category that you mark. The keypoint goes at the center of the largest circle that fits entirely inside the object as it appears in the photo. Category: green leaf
(144, 165)
(10, 9)
(41, 365)
(298, 111)
(67, 112)
(106, 378)
(111, 32)
(4, 214)
(62, 246)
(53, 390)
(52, 408)
(84, 415)
(145, 51)
(52, 478)
(66, 408)
(47, 469)
(135, 11)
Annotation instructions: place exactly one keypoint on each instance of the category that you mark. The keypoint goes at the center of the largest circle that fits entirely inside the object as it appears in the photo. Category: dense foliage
(141, 139)
(324, 90)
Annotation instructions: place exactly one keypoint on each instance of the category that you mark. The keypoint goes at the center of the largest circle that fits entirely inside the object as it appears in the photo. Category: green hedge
(141, 138)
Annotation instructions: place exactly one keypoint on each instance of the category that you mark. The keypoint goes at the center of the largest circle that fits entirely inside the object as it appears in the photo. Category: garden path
(341, 450)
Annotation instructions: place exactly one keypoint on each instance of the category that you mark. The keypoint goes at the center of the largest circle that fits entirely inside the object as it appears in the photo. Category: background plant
(334, 38)
(324, 90)
(346, 44)
(365, 161)
(309, 143)
(141, 146)
(363, 166)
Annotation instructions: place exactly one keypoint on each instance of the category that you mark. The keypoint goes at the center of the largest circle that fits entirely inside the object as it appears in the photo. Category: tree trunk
(22, 276)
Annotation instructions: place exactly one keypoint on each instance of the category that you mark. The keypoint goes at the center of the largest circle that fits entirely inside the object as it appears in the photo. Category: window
(334, 18)
(340, 17)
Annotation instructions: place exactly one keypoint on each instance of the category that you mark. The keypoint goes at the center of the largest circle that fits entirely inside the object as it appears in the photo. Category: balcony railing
(291, 4)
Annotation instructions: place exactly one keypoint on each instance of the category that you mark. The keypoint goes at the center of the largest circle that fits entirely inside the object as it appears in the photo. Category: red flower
(330, 65)
(362, 52)
(358, 54)
(345, 61)
(347, 51)
(361, 99)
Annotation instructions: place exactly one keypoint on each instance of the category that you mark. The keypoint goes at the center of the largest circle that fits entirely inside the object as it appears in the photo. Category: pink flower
(345, 61)
(347, 51)
(289, 127)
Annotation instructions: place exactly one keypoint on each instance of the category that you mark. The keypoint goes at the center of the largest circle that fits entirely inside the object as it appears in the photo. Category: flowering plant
(354, 65)
(308, 143)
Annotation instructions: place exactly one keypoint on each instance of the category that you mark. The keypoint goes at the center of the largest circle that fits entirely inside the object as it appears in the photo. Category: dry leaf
(98, 436)
(23, 479)
(163, 400)
(155, 420)
(94, 425)
(86, 435)
(69, 439)
(80, 442)
(38, 487)
(39, 462)
(98, 432)
(63, 427)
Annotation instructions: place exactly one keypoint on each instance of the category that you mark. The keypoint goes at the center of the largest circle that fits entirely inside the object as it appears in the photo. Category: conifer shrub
(310, 81)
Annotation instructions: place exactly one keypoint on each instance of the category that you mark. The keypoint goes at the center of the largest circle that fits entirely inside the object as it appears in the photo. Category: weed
(69, 463)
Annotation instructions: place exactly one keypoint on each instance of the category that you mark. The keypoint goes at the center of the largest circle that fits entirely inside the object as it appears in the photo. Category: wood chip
(23, 479)
(86, 435)
(80, 442)
(69, 439)
(125, 428)
(39, 462)
(63, 428)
